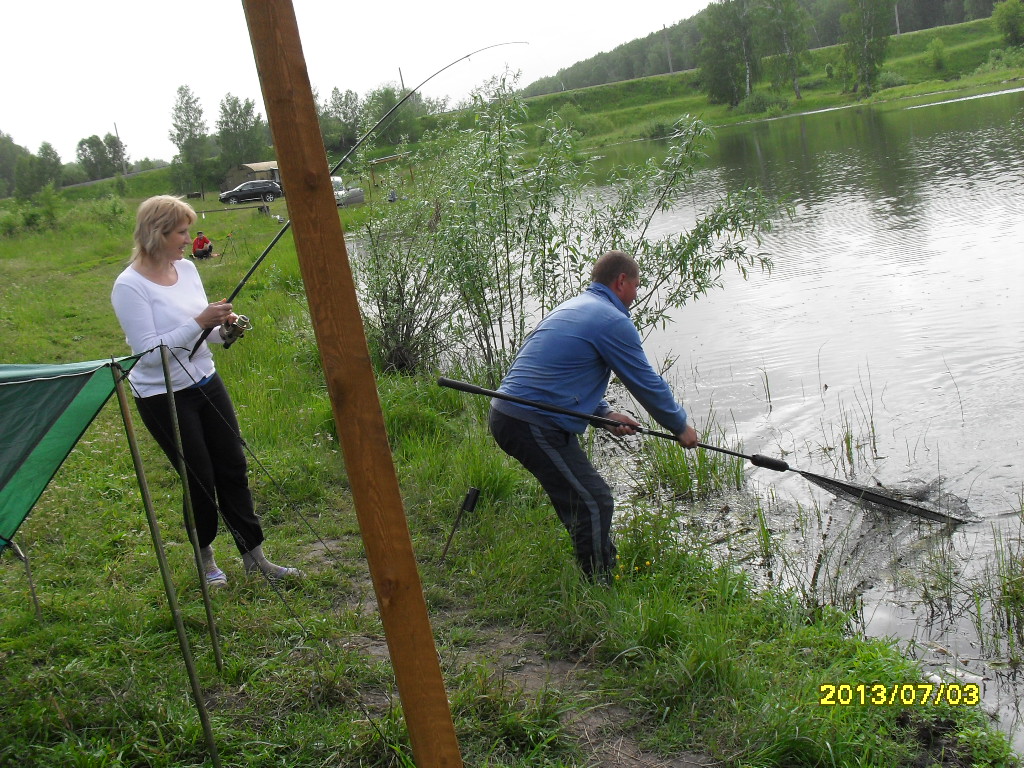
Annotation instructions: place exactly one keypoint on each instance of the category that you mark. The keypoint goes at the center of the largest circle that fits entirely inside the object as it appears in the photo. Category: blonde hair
(612, 264)
(157, 217)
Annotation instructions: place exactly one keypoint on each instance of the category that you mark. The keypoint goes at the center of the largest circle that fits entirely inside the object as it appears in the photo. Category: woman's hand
(217, 313)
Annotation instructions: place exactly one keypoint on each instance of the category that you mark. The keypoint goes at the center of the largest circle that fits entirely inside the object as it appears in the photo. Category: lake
(894, 314)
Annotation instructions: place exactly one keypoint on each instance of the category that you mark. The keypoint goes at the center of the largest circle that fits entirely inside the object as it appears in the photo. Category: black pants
(579, 494)
(212, 444)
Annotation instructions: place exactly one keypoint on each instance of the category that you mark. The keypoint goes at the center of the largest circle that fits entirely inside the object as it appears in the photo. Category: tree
(188, 134)
(339, 120)
(241, 132)
(722, 64)
(977, 9)
(51, 167)
(866, 36)
(34, 172)
(27, 177)
(9, 154)
(825, 20)
(402, 125)
(73, 173)
(94, 157)
(508, 232)
(117, 152)
(1009, 20)
(785, 26)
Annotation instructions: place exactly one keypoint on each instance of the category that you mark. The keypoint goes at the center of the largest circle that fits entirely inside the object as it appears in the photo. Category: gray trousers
(579, 494)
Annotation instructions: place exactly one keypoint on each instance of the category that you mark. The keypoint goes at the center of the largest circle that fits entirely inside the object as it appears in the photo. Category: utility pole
(124, 166)
(668, 49)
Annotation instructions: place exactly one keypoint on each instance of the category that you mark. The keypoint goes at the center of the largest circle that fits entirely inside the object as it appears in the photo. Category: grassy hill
(646, 107)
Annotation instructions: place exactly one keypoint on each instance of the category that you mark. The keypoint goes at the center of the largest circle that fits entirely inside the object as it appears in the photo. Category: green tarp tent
(44, 410)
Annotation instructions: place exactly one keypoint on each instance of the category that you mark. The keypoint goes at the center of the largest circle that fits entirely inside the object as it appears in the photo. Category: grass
(648, 107)
(694, 654)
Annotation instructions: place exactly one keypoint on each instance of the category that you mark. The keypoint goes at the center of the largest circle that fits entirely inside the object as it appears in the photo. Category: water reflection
(895, 312)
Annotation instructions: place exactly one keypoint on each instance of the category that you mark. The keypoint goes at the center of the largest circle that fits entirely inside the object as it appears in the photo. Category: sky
(75, 69)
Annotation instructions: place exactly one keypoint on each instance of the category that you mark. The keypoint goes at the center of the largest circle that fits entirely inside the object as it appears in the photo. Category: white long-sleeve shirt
(151, 314)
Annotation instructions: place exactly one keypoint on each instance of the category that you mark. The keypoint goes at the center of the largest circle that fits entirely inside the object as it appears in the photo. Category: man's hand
(627, 424)
(688, 437)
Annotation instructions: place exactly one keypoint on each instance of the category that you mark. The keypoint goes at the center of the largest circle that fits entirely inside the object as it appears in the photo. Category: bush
(1002, 58)
(10, 222)
(1009, 20)
(936, 53)
(658, 129)
(890, 80)
(760, 102)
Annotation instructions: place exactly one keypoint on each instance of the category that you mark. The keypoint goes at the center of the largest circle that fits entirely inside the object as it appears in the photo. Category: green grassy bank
(913, 69)
(681, 655)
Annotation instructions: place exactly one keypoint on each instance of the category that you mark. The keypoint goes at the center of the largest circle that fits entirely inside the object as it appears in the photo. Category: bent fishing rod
(287, 225)
(835, 487)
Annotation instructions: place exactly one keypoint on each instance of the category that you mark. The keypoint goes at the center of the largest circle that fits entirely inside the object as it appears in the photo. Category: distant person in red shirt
(202, 247)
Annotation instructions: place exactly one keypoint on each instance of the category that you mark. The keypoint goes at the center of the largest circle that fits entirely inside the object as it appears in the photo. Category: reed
(664, 467)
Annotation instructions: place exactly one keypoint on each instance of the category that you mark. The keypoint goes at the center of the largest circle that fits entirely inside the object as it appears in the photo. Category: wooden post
(330, 291)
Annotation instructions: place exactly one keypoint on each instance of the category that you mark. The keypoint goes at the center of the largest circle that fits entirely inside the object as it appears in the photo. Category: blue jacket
(568, 359)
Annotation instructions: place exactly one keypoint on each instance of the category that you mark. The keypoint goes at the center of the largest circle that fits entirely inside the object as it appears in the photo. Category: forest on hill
(723, 53)
(820, 22)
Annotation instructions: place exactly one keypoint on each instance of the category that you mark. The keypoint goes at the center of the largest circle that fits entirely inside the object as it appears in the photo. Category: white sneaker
(215, 577)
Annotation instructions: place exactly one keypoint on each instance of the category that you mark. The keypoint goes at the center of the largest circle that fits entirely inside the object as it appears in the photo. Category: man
(567, 361)
(202, 247)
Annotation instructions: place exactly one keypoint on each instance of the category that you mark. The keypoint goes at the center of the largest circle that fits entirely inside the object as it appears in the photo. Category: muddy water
(886, 347)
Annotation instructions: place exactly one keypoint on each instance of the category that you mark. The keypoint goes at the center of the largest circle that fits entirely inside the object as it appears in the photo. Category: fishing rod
(835, 487)
(287, 225)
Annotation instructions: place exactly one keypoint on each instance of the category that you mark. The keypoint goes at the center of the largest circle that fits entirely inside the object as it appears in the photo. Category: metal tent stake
(468, 505)
(28, 575)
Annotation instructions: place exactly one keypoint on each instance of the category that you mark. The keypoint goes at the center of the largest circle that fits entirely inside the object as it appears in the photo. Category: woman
(159, 299)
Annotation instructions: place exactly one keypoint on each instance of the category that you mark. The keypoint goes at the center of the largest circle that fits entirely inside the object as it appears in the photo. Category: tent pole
(190, 518)
(165, 571)
(28, 573)
(341, 341)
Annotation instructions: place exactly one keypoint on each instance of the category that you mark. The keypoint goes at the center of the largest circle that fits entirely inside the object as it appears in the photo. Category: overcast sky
(75, 69)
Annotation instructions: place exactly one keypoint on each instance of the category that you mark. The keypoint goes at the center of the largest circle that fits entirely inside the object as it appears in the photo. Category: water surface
(895, 312)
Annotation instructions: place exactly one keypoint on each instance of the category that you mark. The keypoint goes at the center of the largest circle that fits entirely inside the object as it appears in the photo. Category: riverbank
(927, 66)
(682, 661)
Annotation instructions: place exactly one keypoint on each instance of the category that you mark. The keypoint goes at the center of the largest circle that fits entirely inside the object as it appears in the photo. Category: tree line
(239, 135)
(791, 25)
(732, 43)
(243, 136)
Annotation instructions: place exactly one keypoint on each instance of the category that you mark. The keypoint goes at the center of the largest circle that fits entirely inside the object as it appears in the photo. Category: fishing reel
(232, 332)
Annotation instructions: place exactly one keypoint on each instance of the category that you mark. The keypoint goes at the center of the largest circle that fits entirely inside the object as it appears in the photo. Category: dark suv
(260, 189)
